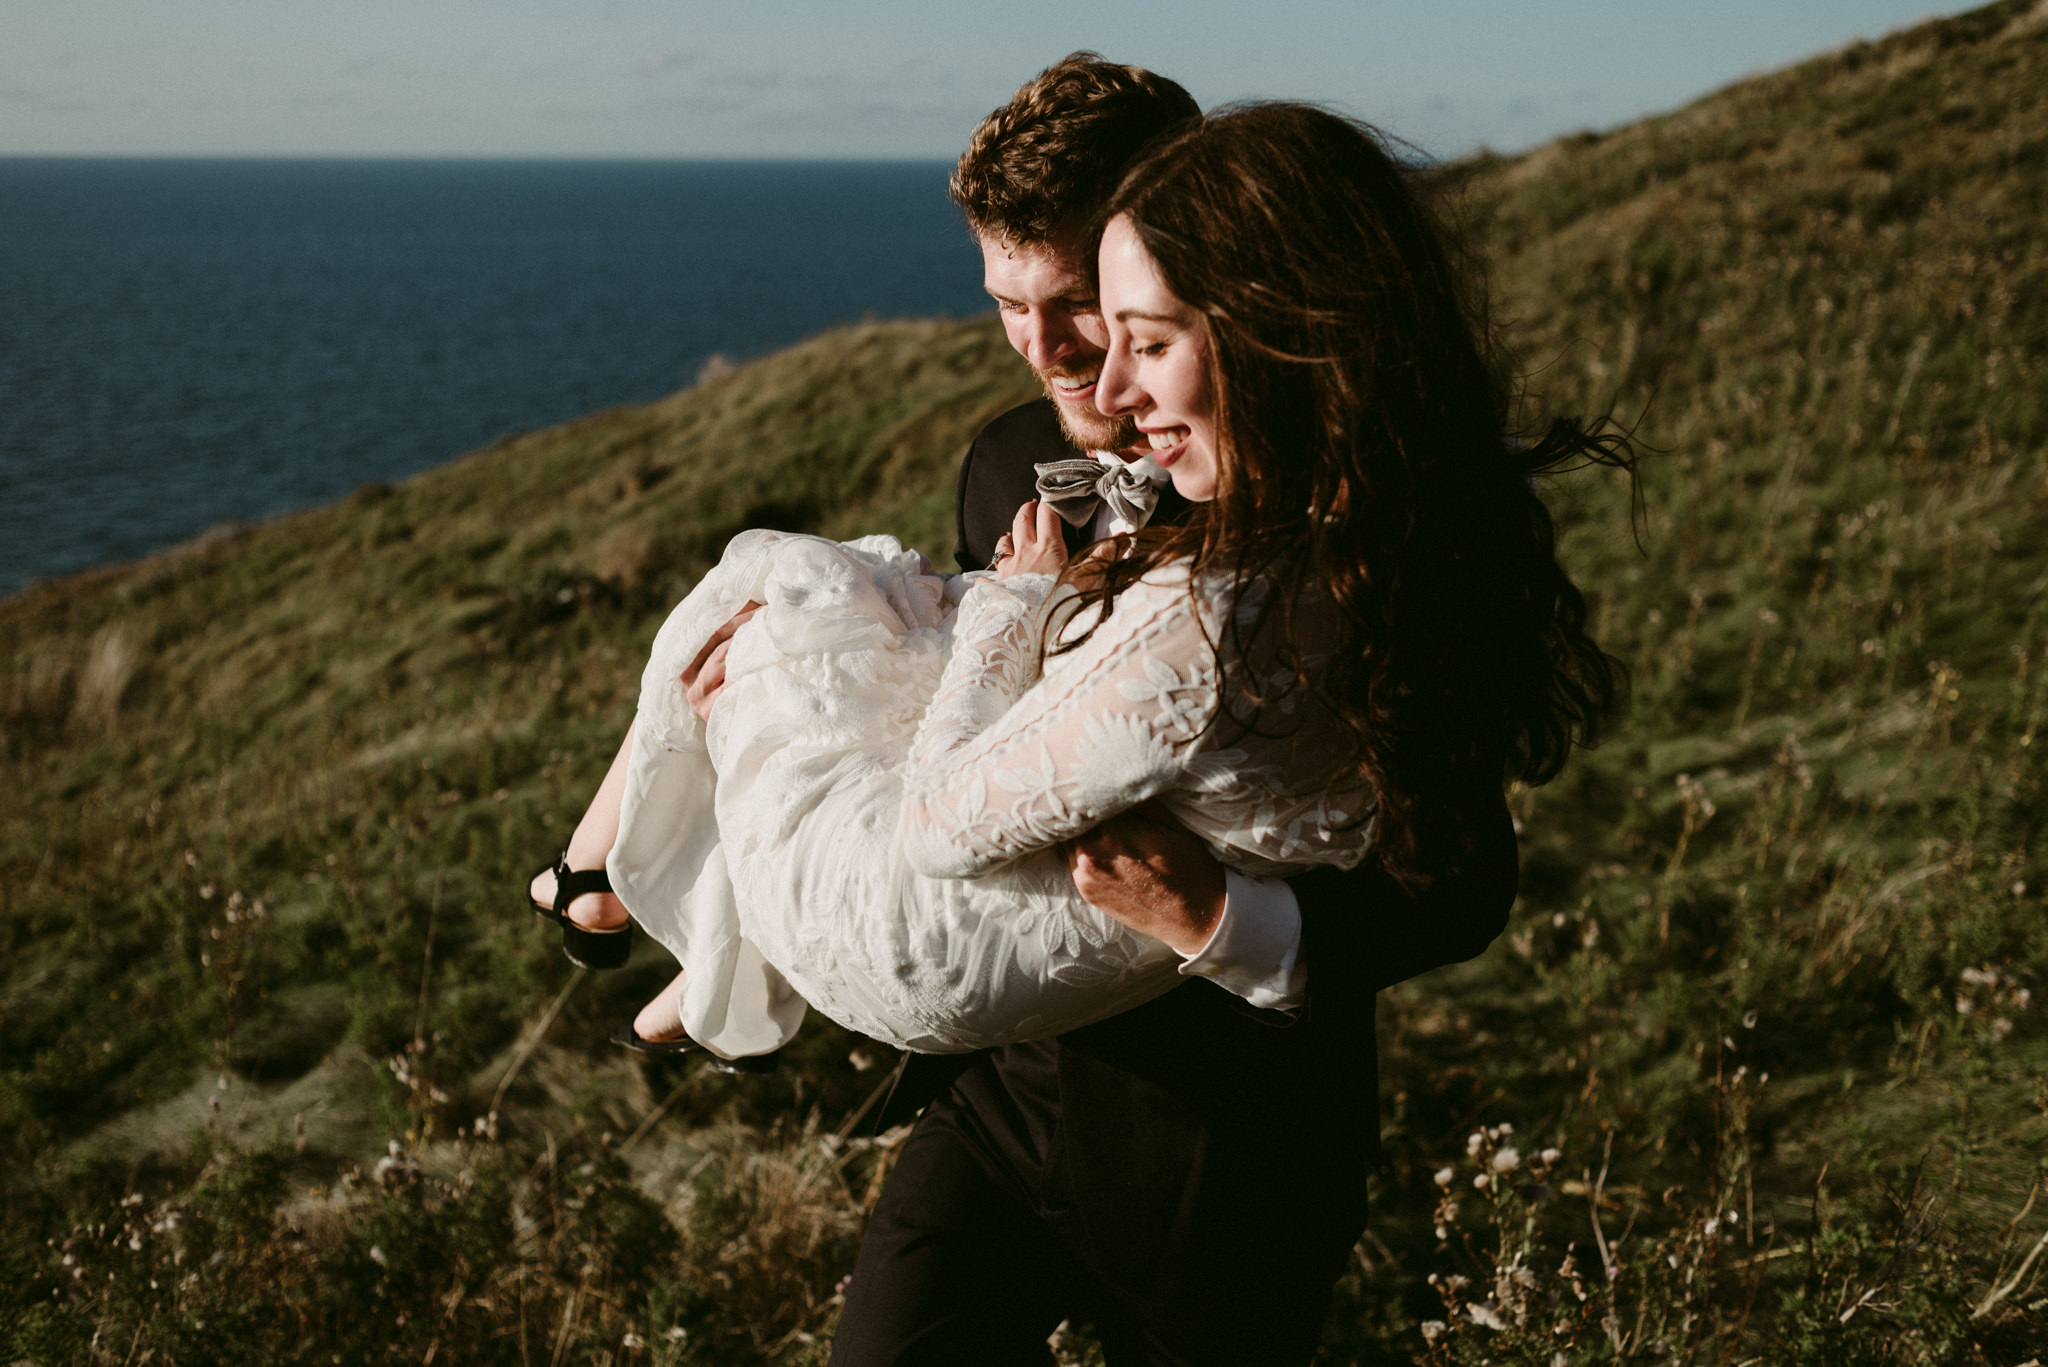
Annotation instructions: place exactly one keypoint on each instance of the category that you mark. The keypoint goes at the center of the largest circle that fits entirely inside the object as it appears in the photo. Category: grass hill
(1757, 1074)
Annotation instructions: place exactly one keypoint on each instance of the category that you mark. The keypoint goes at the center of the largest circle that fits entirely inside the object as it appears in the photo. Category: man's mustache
(1071, 373)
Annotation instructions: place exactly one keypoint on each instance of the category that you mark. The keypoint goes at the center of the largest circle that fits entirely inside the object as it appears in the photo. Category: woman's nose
(1116, 391)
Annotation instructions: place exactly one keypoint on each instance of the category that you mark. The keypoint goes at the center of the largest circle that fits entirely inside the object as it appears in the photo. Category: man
(1188, 1177)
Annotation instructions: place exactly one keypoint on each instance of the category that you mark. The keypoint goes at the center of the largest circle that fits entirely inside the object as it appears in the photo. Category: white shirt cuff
(1255, 950)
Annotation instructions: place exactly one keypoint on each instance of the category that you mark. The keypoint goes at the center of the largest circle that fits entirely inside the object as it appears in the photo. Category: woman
(1358, 637)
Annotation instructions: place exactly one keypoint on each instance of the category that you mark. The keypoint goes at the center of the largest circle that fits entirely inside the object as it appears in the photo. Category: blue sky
(807, 78)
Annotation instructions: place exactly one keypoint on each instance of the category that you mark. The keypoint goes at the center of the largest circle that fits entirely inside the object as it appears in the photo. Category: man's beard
(1085, 426)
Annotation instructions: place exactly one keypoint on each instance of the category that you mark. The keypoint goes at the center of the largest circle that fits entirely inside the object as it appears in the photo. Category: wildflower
(378, 1256)
(1485, 1314)
(1551, 1156)
(1507, 1160)
(1482, 1182)
(632, 1340)
(1474, 1142)
(1444, 1176)
(1432, 1330)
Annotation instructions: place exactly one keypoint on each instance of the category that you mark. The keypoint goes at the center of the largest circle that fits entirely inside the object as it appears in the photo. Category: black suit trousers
(985, 1239)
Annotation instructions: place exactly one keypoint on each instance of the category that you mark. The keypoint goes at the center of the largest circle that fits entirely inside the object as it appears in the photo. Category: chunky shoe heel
(585, 948)
(626, 1037)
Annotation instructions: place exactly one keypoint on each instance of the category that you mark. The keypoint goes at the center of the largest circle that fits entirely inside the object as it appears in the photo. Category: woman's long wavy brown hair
(1367, 460)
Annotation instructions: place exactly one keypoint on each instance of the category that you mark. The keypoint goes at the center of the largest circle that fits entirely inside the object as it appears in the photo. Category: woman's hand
(1033, 545)
(704, 677)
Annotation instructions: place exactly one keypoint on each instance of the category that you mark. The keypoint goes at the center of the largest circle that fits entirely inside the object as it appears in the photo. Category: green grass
(276, 795)
(272, 797)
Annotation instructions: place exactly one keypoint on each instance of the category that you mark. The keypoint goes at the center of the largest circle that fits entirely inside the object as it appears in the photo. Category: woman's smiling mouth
(1167, 444)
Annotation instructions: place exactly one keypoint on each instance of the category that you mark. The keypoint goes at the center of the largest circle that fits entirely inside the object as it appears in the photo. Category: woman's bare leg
(596, 833)
(593, 839)
(662, 1018)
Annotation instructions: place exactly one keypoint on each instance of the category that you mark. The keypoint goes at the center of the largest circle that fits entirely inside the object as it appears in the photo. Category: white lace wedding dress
(868, 822)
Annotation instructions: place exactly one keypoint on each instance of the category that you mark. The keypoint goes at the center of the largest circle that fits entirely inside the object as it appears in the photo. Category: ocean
(190, 342)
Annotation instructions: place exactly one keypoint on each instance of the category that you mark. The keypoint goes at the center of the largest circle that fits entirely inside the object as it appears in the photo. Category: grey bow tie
(1075, 487)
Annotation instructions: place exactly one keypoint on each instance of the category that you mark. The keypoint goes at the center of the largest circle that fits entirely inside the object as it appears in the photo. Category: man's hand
(1144, 869)
(1033, 545)
(704, 679)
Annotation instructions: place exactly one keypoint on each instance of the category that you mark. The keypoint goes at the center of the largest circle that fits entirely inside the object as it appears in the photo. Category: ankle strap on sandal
(571, 884)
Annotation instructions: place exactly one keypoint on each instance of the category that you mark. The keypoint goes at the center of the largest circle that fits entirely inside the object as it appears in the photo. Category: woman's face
(1157, 370)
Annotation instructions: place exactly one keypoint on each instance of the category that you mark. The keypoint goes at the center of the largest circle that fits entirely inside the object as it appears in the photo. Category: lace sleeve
(1003, 766)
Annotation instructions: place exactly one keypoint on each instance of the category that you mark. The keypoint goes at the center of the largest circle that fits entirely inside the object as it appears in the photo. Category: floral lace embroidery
(1007, 763)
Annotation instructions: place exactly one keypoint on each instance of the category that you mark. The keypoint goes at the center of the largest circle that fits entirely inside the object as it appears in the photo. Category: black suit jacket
(1197, 1109)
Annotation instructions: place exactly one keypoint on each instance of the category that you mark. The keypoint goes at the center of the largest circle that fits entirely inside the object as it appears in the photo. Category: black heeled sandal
(628, 1038)
(585, 948)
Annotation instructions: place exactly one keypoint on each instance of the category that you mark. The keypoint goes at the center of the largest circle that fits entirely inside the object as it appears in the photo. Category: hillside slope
(272, 795)
(350, 715)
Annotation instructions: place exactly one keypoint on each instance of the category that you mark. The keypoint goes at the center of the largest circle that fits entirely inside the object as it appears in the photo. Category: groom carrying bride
(936, 807)
(1189, 1177)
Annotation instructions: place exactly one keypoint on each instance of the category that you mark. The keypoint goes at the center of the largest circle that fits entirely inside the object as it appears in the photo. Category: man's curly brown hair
(1046, 161)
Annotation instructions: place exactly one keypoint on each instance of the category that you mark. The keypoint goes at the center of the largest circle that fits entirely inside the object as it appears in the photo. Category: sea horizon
(191, 342)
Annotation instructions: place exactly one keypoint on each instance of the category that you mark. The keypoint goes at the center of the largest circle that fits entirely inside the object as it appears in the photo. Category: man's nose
(1048, 339)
